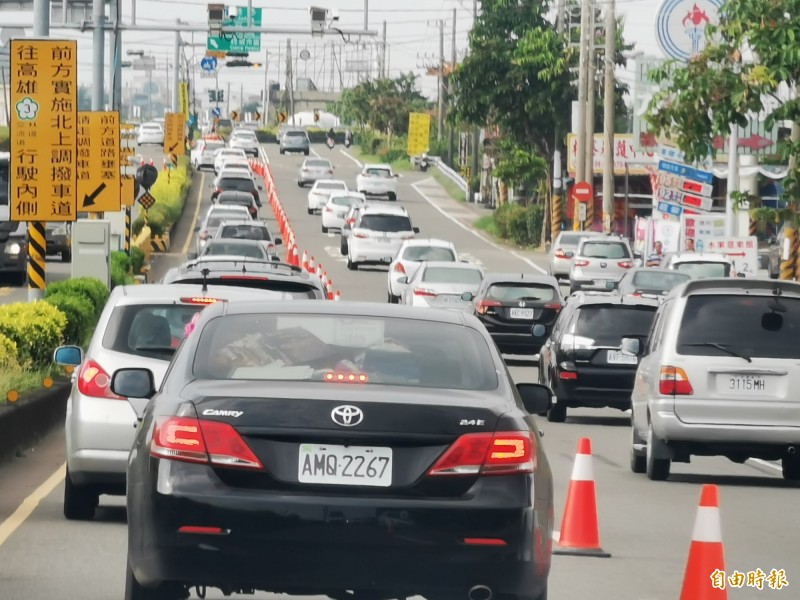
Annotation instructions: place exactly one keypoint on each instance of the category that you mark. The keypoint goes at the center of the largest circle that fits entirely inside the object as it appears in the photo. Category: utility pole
(228, 101)
(452, 132)
(440, 116)
(583, 75)
(608, 116)
(556, 200)
(476, 134)
(366, 15)
(98, 53)
(384, 74)
(591, 100)
(176, 72)
(290, 73)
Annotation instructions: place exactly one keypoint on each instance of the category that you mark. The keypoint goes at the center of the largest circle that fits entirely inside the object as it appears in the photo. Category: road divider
(294, 256)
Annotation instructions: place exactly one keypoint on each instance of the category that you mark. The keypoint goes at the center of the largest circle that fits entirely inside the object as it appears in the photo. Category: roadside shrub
(137, 260)
(8, 353)
(93, 289)
(79, 312)
(120, 269)
(37, 328)
(137, 225)
(519, 224)
(170, 193)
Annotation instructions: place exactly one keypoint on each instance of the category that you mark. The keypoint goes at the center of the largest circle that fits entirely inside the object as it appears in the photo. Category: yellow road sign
(282, 117)
(127, 143)
(127, 191)
(419, 133)
(98, 161)
(183, 96)
(174, 134)
(44, 128)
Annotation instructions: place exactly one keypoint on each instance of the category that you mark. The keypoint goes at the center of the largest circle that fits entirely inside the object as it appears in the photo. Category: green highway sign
(238, 42)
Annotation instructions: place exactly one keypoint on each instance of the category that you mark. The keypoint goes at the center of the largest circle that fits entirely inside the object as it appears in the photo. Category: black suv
(14, 249)
(582, 361)
(250, 273)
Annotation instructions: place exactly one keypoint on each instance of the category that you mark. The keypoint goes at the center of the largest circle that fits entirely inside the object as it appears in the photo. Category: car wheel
(324, 229)
(66, 256)
(306, 152)
(351, 265)
(310, 211)
(638, 460)
(135, 591)
(392, 299)
(300, 184)
(557, 413)
(791, 467)
(657, 468)
(392, 196)
(343, 247)
(282, 151)
(80, 502)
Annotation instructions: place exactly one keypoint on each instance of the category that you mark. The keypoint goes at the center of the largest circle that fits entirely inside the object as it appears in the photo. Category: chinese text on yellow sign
(183, 96)
(44, 115)
(127, 150)
(419, 133)
(174, 134)
(98, 161)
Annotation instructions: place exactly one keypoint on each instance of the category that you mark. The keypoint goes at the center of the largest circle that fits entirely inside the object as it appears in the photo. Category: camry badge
(347, 415)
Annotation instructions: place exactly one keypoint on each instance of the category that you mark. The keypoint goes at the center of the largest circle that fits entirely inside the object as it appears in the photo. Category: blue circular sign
(681, 26)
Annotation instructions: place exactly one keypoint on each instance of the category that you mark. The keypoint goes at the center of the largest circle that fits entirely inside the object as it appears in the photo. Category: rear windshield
(238, 183)
(387, 223)
(318, 163)
(512, 292)
(700, 270)
(378, 173)
(420, 253)
(570, 239)
(610, 250)
(321, 185)
(295, 134)
(297, 290)
(245, 232)
(607, 325)
(345, 200)
(753, 326)
(239, 201)
(233, 249)
(148, 330)
(214, 145)
(645, 280)
(218, 218)
(387, 351)
(446, 275)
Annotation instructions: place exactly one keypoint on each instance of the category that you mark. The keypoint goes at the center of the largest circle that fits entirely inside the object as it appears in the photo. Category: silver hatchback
(599, 261)
(563, 250)
(141, 326)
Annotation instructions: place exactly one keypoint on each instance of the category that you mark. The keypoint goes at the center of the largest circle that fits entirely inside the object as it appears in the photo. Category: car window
(226, 249)
(244, 232)
(449, 275)
(385, 223)
(315, 347)
(607, 325)
(219, 216)
(148, 330)
(754, 326)
(237, 201)
(570, 239)
(377, 172)
(511, 292)
(320, 185)
(296, 134)
(318, 163)
(700, 270)
(610, 250)
(242, 184)
(213, 146)
(343, 200)
(420, 253)
(649, 280)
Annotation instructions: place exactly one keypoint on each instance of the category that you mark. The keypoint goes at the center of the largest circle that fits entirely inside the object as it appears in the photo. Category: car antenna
(205, 273)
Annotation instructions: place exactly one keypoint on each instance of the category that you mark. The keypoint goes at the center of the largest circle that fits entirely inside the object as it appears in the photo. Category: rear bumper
(322, 544)
(379, 255)
(13, 263)
(607, 390)
(517, 343)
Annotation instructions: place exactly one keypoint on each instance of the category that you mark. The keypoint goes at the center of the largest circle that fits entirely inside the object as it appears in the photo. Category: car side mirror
(536, 398)
(261, 188)
(197, 229)
(631, 346)
(134, 383)
(741, 275)
(68, 356)
(346, 226)
(278, 242)
(467, 296)
(274, 258)
(403, 280)
(397, 175)
(416, 229)
(538, 330)
(191, 256)
(569, 254)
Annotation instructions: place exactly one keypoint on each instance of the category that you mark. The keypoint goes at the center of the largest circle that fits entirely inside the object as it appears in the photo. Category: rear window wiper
(721, 347)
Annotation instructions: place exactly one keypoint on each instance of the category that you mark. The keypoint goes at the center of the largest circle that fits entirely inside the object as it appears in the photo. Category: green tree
(700, 99)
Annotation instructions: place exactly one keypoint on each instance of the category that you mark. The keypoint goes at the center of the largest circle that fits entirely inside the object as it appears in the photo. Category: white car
(700, 265)
(409, 258)
(335, 210)
(150, 133)
(378, 235)
(236, 162)
(320, 192)
(245, 139)
(377, 180)
(236, 172)
(226, 153)
(441, 285)
(203, 152)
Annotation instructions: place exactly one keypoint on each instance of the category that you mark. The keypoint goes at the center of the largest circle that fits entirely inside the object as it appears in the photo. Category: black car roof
(493, 278)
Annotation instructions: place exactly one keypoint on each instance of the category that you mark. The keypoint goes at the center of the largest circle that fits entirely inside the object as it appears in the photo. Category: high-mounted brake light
(243, 277)
(484, 306)
(95, 382)
(674, 382)
(501, 453)
(346, 377)
(199, 300)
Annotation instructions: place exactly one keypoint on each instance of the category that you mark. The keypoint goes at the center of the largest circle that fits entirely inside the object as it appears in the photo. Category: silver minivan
(600, 261)
(718, 376)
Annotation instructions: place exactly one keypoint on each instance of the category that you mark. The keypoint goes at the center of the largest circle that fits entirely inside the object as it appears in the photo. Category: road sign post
(583, 191)
(582, 194)
(99, 180)
(174, 134)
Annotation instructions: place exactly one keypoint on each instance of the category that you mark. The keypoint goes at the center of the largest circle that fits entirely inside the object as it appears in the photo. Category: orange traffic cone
(705, 577)
(305, 260)
(324, 280)
(338, 296)
(152, 162)
(295, 256)
(312, 266)
(164, 164)
(580, 532)
(329, 289)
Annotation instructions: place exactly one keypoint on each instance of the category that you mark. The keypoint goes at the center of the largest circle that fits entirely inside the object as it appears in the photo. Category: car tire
(324, 229)
(392, 196)
(657, 468)
(80, 502)
(557, 413)
(310, 211)
(300, 184)
(351, 266)
(392, 299)
(282, 151)
(136, 591)
(791, 467)
(638, 461)
(306, 152)
(66, 256)
(343, 247)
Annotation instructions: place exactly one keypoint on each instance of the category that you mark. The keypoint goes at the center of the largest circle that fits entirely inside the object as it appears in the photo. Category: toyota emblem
(347, 415)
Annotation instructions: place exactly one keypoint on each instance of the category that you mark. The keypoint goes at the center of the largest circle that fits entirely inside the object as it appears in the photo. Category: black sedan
(510, 304)
(347, 449)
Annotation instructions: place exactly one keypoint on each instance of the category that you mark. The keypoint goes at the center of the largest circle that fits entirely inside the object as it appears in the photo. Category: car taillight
(553, 306)
(399, 268)
(408, 237)
(346, 377)
(94, 381)
(328, 209)
(674, 382)
(501, 453)
(208, 442)
(204, 235)
(253, 210)
(485, 305)
(424, 292)
(581, 263)
(626, 264)
(199, 300)
(361, 235)
(560, 253)
(350, 221)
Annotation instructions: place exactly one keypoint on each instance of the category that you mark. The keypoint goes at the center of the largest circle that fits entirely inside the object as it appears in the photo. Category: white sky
(412, 34)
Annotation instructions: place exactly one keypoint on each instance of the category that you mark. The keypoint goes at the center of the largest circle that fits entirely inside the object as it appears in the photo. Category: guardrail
(451, 175)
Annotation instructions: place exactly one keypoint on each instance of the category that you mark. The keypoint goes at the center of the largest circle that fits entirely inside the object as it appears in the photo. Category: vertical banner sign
(183, 97)
(419, 133)
(174, 134)
(126, 148)
(44, 115)
(99, 181)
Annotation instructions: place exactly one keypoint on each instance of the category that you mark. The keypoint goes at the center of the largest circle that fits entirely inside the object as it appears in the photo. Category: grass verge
(401, 164)
(487, 223)
(24, 380)
(455, 192)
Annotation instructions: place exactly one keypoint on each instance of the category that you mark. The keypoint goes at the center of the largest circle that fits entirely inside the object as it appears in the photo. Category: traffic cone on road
(705, 577)
(329, 289)
(338, 296)
(324, 280)
(312, 266)
(152, 162)
(305, 260)
(580, 532)
(164, 164)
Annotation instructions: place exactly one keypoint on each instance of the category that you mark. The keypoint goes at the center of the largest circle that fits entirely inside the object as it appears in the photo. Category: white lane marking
(473, 231)
(766, 463)
(315, 153)
(198, 198)
(25, 510)
(353, 158)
